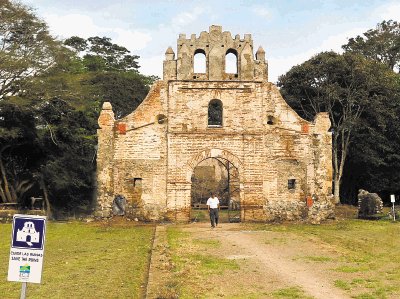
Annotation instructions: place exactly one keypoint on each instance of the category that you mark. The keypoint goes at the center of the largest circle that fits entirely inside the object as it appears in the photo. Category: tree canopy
(380, 44)
(361, 96)
(51, 93)
(50, 98)
(99, 53)
(26, 47)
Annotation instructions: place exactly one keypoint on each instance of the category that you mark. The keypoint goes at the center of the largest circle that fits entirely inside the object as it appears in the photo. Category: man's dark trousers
(214, 217)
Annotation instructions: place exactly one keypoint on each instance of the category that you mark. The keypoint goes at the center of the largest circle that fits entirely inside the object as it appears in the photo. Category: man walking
(213, 207)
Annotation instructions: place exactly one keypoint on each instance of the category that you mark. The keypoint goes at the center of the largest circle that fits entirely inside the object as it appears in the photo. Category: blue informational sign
(28, 233)
(27, 248)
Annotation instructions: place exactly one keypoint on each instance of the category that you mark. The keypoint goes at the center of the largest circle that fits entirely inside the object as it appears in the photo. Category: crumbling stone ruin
(369, 204)
(280, 159)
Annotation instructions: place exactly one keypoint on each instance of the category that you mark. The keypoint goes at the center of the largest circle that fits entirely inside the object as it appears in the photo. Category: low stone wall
(296, 211)
(321, 210)
(285, 211)
(134, 212)
(155, 213)
(6, 216)
(273, 211)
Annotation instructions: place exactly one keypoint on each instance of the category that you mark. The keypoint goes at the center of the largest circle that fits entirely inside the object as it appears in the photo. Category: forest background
(51, 92)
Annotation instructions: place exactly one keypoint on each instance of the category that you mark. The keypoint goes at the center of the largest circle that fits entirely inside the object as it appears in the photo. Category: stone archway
(230, 161)
(213, 153)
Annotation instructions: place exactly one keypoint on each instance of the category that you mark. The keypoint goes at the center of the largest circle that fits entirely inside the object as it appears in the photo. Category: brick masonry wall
(151, 162)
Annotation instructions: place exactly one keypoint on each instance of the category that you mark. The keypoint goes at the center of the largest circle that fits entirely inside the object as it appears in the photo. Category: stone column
(105, 152)
(323, 155)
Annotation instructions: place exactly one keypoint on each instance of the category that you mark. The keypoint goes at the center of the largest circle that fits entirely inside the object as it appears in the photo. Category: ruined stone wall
(272, 143)
(271, 153)
(150, 155)
(132, 158)
(240, 134)
(140, 156)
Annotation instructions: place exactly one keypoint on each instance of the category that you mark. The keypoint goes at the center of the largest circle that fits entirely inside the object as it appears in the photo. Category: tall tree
(67, 153)
(112, 73)
(17, 147)
(26, 48)
(373, 160)
(380, 44)
(125, 90)
(99, 54)
(345, 86)
(50, 97)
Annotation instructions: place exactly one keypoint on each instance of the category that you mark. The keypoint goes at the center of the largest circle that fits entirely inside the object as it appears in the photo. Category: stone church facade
(149, 156)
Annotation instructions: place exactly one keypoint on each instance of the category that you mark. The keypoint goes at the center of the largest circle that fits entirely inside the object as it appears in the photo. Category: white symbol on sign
(28, 234)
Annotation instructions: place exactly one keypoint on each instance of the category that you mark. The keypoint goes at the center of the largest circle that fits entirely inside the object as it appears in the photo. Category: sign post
(392, 199)
(27, 250)
(23, 290)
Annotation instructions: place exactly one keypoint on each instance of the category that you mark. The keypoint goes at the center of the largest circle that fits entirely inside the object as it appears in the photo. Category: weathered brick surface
(168, 135)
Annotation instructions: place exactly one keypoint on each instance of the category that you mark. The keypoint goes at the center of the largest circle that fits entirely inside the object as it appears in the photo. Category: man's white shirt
(213, 202)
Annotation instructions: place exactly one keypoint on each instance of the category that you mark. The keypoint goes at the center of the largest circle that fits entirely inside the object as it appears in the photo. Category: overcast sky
(290, 31)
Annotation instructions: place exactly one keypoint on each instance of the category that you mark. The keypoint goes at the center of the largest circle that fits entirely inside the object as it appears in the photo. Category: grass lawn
(369, 259)
(86, 261)
(193, 266)
(96, 260)
(366, 265)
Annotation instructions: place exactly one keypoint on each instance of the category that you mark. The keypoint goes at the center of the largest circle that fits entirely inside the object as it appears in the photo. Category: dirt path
(268, 261)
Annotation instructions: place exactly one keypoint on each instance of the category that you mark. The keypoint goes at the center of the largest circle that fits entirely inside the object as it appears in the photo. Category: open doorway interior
(218, 176)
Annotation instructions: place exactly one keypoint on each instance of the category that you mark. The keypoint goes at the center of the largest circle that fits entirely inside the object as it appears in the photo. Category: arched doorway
(215, 174)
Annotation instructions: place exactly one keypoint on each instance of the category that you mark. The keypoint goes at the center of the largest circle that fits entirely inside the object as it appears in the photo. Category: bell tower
(215, 45)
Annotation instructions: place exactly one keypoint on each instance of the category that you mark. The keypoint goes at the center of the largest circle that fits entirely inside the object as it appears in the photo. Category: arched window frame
(235, 53)
(215, 113)
(203, 67)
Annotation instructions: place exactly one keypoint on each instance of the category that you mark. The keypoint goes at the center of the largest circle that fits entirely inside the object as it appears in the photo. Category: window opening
(291, 184)
(137, 183)
(199, 62)
(215, 113)
(270, 120)
(231, 62)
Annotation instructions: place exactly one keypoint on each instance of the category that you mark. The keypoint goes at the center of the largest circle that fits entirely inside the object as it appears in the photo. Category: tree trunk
(46, 197)
(2, 194)
(8, 197)
(22, 187)
(336, 176)
(336, 189)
